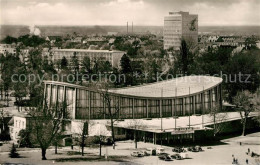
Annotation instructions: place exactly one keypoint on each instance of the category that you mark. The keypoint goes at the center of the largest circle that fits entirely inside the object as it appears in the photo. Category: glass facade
(86, 104)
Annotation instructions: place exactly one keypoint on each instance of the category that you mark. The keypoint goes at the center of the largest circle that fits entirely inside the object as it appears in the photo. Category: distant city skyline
(118, 12)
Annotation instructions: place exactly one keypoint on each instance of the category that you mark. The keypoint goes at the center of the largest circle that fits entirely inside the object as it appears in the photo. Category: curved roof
(171, 88)
(177, 87)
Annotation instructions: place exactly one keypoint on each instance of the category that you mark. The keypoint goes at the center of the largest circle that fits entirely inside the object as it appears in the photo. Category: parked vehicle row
(180, 153)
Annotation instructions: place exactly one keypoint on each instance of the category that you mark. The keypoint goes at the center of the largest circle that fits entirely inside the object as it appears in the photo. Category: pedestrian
(246, 161)
(234, 160)
(248, 150)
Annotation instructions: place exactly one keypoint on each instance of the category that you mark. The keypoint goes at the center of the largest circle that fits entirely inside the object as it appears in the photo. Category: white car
(184, 155)
(160, 150)
(136, 154)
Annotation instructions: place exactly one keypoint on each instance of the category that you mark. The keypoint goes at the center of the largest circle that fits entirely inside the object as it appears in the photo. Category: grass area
(93, 158)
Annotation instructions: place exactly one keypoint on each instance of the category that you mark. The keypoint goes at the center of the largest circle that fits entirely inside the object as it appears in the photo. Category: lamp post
(161, 114)
(189, 107)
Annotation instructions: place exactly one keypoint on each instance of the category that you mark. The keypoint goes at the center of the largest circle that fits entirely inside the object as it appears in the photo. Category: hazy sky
(118, 12)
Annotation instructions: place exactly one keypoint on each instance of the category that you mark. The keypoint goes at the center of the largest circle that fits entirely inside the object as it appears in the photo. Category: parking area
(218, 154)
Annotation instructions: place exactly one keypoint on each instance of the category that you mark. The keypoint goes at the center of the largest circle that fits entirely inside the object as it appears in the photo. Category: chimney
(127, 27)
(132, 27)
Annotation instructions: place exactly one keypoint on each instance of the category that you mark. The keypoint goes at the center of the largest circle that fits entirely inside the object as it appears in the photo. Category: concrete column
(220, 97)
(193, 103)
(167, 138)
(44, 94)
(147, 112)
(64, 98)
(210, 98)
(133, 108)
(73, 115)
(89, 101)
(172, 107)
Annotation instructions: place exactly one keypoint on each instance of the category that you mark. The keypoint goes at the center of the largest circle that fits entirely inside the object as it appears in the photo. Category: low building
(77, 40)
(91, 40)
(112, 33)
(112, 56)
(7, 48)
(18, 122)
(53, 39)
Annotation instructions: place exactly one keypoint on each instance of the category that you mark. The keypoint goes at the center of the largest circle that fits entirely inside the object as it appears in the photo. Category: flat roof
(181, 86)
(168, 124)
(87, 50)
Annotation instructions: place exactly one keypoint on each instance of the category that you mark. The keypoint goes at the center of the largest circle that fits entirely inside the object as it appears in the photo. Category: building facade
(7, 48)
(178, 25)
(182, 96)
(20, 122)
(112, 56)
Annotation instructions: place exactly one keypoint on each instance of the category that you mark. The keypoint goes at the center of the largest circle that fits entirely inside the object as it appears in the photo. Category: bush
(13, 153)
(73, 153)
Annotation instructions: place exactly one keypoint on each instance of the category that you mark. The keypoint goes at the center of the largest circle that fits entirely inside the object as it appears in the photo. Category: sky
(118, 12)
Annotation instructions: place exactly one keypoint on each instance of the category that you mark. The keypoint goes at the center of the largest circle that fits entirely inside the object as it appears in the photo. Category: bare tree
(47, 125)
(135, 125)
(245, 103)
(113, 115)
(218, 120)
(102, 134)
(82, 134)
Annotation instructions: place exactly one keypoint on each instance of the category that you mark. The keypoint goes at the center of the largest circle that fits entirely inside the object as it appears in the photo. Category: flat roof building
(178, 25)
(113, 56)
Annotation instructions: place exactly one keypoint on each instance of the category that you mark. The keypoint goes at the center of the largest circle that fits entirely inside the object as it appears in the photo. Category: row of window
(83, 104)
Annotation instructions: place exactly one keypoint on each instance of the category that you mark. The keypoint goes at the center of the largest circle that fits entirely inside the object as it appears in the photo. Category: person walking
(234, 160)
(246, 161)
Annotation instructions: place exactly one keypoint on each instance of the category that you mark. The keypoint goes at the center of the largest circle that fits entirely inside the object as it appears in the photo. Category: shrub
(13, 153)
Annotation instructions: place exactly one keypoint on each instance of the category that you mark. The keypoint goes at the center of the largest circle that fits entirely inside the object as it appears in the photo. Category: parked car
(151, 151)
(178, 149)
(160, 150)
(184, 155)
(176, 156)
(193, 149)
(198, 148)
(165, 157)
(144, 153)
(136, 154)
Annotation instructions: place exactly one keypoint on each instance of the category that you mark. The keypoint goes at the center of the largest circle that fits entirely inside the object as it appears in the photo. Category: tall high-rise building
(178, 25)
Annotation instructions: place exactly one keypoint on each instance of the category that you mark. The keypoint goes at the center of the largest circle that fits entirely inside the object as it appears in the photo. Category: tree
(213, 61)
(112, 106)
(20, 86)
(125, 64)
(13, 153)
(8, 64)
(82, 135)
(9, 40)
(74, 64)
(86, 64)
(126, 69)
(245, 104)
(47, 124)
(135, 125)
(24, 140)
(218, 119)
(64, 63)
(243, 71)
(4, 131)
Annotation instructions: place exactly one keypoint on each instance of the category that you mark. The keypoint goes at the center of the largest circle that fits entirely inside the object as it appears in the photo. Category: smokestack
(127, 27)
(132, 27)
